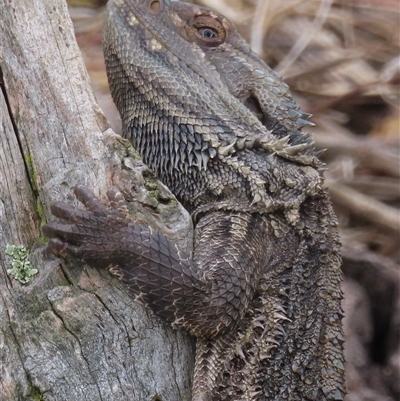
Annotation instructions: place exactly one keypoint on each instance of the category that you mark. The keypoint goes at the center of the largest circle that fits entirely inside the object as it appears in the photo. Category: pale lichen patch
(21, 266)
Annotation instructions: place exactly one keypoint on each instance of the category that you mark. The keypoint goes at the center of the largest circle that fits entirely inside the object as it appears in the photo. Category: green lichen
(40, 212)
(125, 149)
(31, 170)
(33, 181)
(39, 209)
(36, 394)
(124, 142)
(21, 267)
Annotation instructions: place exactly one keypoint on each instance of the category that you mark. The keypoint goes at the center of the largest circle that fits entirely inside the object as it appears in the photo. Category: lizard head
(211, 45)
(205, 112)
(244, 73)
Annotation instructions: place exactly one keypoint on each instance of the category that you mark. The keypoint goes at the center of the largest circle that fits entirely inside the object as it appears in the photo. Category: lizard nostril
(155, 5)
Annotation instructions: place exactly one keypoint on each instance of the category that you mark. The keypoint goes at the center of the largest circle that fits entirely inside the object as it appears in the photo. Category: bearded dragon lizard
(261, 291)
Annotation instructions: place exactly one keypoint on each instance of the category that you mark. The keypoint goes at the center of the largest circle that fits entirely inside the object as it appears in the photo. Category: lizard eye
(206, 31)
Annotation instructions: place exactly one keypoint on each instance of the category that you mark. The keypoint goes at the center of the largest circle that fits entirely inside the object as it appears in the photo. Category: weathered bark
(73, 333)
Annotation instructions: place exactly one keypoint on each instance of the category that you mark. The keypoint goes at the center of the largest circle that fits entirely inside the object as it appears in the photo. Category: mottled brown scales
(261, 291)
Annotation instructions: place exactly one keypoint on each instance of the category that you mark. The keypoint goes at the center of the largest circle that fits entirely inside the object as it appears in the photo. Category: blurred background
(341, 59)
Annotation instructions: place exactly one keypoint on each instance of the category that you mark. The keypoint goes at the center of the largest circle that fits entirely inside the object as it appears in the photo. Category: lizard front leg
(206, 295)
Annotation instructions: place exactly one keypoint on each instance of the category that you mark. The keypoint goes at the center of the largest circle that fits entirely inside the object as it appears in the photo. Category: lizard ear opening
(206, 31)
(254, 106)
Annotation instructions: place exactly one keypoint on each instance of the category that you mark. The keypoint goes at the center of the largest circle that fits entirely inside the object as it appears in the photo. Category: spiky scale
(304, 123)
(319, 153)
(294, 150)
(227, 150)
(281, 143)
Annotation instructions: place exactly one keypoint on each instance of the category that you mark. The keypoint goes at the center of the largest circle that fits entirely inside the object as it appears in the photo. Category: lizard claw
(90, 200)
(117, 201)
(56, 246)
(90, 234)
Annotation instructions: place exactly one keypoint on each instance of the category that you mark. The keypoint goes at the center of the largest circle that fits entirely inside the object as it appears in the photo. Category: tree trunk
(72, 332)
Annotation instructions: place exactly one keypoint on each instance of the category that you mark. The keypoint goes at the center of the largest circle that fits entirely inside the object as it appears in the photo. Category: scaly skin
(262, 290)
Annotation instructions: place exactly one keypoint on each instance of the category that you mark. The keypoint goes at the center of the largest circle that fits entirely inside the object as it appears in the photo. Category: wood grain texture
(73, 333)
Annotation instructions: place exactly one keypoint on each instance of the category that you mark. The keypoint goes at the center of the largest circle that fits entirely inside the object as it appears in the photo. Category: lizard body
(261, 291)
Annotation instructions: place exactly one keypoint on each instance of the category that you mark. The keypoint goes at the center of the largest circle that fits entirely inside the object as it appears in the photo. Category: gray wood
(73, 333)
